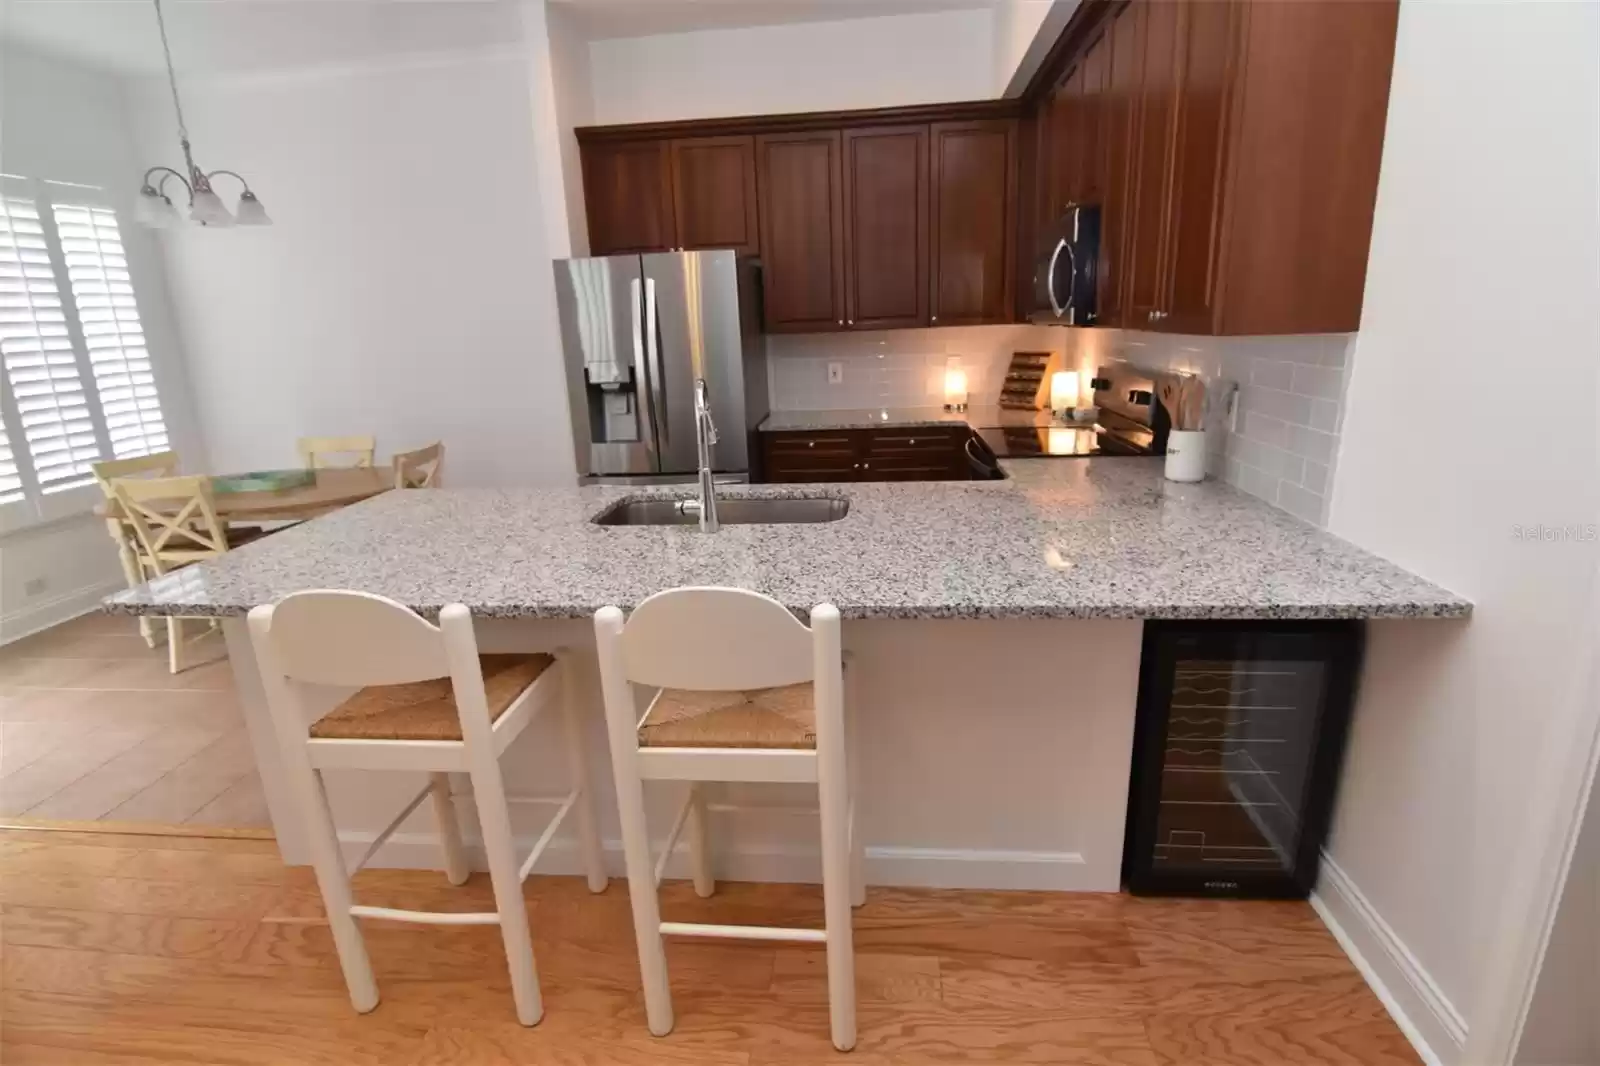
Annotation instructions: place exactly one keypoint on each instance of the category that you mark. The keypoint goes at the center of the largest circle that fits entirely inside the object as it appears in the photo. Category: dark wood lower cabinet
(933, 453)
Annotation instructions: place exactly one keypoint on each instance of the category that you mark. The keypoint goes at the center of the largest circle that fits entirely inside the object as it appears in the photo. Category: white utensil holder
(1186, 455)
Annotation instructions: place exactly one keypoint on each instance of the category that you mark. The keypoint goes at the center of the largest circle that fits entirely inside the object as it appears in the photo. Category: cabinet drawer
(930, 442)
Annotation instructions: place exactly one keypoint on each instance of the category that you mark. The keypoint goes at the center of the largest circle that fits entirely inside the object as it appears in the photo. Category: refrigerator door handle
(657, 378)
(641, 366)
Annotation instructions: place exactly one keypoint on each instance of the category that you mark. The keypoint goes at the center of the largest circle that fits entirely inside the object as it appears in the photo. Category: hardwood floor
(93, 727)
(145, 950)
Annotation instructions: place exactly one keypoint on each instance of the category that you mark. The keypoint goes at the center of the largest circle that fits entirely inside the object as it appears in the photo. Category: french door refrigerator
(636, 331)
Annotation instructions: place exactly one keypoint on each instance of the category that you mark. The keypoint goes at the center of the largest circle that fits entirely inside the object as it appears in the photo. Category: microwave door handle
(643, 374)
(1072, 285)
(652, 347)
(1050, 279)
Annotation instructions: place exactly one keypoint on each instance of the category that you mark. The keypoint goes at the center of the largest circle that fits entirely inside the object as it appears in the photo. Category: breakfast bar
(995, 627)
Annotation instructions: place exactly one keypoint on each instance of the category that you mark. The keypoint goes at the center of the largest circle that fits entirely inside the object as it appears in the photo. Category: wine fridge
(1239, 737)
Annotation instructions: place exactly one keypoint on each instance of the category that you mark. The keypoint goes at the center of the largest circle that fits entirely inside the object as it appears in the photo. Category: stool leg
(594, 861)
(700, 842)
(642, 889)
(504, 871)
(833, 799)
(334, 881)
(444, 812)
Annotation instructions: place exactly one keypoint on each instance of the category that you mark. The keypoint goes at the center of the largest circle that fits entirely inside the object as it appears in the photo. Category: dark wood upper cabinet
(1117, 106)
(973, 219)
(802, 231)
(886, 227)
(1236, 146)
(627, 191)
(1206, 48)
(1157, 30)
(714, 193)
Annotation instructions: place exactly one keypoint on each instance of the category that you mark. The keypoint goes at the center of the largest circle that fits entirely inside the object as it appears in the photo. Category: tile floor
(94, 728)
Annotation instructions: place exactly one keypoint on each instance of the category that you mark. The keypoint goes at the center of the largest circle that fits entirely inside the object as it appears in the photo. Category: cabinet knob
(811, 444)
(850, 322)
(934, 318)
(865, 465)
(913, 440)
(841, 322)
(1149, 316)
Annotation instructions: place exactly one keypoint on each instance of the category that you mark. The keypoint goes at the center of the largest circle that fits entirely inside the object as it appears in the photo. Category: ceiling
(239, 36)
(640, 18)
(217, 36)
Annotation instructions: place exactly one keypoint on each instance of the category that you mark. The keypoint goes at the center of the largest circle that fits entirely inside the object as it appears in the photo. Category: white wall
(405, 289)
(1024, 30)
(1563, 1027)
(64, 123)
(816, 66)
(1494, 115)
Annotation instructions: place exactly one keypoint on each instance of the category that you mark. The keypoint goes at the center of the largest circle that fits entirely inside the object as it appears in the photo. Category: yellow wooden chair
(174, 524)
(156, 464)
(316, 451)
(420, 469)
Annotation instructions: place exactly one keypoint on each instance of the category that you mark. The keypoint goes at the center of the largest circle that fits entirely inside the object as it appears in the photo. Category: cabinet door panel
(1207, 47)
(886, 227)
(714, 193)
(1066, 147)
(1117, 111)
(627, 190)
(973, 218)
(1152, 168)
(802, 231)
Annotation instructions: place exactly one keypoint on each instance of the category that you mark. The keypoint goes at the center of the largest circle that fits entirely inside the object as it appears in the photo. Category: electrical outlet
(35, 586)
(835, 373)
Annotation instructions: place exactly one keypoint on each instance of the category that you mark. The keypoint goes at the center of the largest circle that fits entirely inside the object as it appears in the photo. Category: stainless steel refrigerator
(636, 331)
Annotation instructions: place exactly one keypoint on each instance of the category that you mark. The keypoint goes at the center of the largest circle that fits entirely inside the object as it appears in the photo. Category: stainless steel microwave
(1066, 275)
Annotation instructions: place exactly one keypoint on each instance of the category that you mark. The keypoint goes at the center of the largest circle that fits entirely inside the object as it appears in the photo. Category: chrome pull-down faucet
(705, 436)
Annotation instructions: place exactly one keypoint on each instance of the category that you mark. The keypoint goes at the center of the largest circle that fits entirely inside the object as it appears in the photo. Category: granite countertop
(1099, 538)
(900, 418)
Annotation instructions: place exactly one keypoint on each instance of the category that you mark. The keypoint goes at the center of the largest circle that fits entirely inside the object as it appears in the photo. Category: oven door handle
(1050, 277)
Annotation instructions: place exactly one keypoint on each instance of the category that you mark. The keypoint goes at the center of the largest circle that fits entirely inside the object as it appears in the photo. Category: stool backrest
(716, 639)
(354, 639)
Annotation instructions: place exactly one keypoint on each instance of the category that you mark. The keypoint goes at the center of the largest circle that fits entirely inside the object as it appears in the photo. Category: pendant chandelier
(205, 206)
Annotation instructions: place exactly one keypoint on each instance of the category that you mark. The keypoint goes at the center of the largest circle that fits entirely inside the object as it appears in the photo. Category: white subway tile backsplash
(1315, 478)
(1320, 382)
(1272, 374)
(896, 368)
(1313, 444)
(1266, 429)
(1283, 444)
(1325, 415)
(1282, 447)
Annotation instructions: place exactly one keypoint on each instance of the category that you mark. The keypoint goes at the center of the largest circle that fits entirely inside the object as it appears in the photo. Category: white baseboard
(1416, 1003)
(52, 612)
(905, 867)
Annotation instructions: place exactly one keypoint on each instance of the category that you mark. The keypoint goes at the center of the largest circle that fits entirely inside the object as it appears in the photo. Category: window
(77, 385)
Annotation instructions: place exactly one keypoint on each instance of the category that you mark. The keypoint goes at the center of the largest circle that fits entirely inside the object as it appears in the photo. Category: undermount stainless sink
(732, 511)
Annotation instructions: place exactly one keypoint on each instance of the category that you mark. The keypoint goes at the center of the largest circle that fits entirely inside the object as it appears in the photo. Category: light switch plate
(835, 373)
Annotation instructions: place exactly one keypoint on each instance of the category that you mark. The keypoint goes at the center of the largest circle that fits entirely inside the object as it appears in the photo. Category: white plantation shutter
(102, 291)
(41, 365)
(10, 479)
(76, 384)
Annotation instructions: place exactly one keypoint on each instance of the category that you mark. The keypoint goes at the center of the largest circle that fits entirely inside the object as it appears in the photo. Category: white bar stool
(432, 704)
(745, 692)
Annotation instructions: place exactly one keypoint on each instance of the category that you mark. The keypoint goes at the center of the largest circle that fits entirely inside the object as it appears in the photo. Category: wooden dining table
(334, 487)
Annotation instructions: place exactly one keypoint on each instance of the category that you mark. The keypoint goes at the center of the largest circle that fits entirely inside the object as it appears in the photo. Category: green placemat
(263, 481)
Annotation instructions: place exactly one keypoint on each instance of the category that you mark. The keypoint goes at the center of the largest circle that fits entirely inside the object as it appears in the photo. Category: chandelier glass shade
(155, 207)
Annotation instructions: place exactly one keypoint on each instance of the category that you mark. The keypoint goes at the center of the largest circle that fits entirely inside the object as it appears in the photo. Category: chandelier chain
(172, 77)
